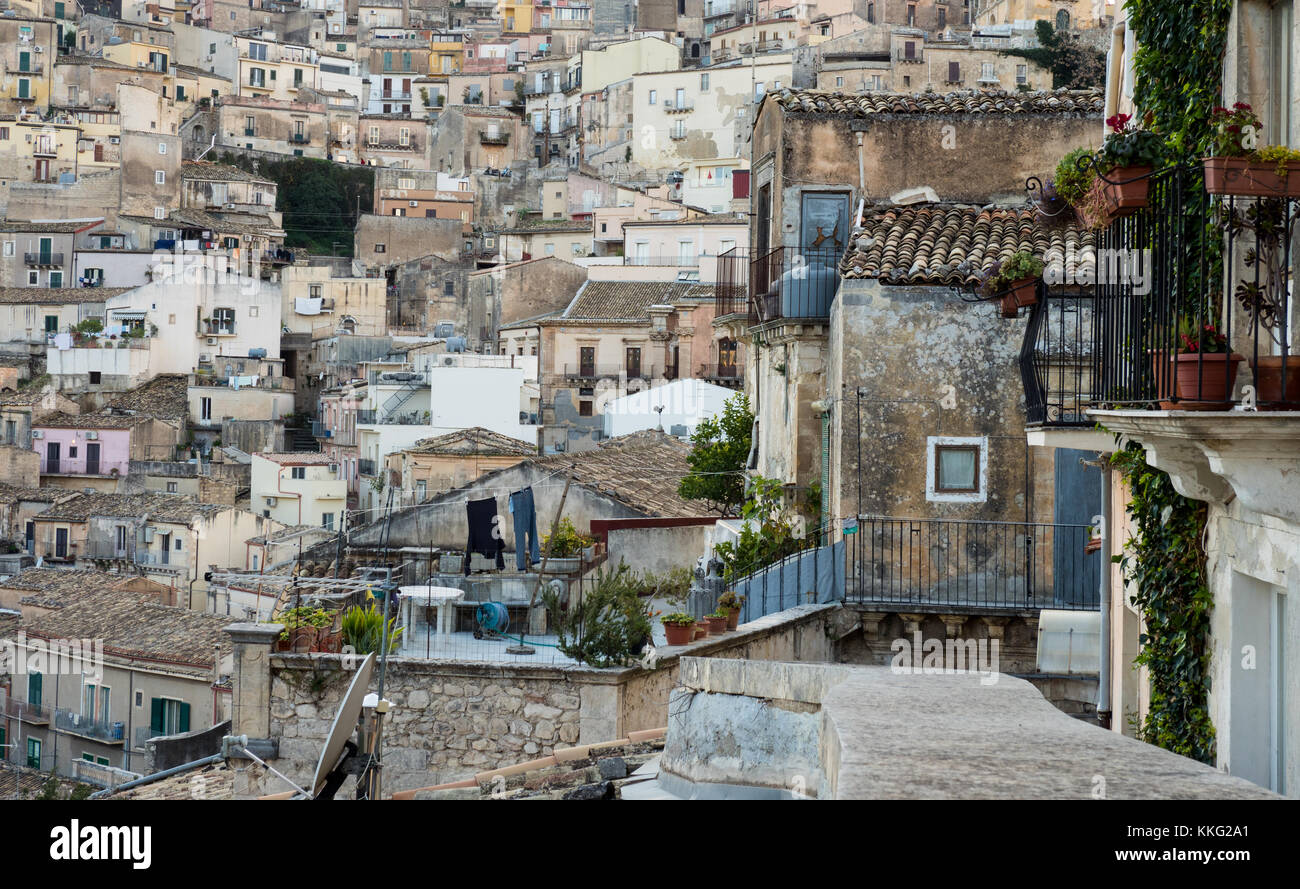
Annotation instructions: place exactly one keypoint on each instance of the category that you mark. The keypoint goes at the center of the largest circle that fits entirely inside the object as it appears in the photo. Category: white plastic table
(443, 597)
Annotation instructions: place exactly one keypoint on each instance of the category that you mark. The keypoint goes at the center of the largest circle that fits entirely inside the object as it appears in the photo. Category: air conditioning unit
(38, 48)
(270, 501)
(212, 341)
(148, 535)
(36, 433)
(413, 203)
(91, 435)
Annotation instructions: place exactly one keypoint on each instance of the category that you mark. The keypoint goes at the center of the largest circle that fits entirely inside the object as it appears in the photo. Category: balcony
(208, 327)
(487, 138)
(299, 139)
(320, 430)
(390, 145)
(608, 371)
(45, 148)
(789, 283)
(35, 68)
(43, 260)
(685, 262)
(35, 715)
(931, 564)
(672, 107)
(731, 291)
(731, 375)
(366, 467)
(403, 95)
(73, 723)
(248, 131)
(1134, 335)
(901, 54)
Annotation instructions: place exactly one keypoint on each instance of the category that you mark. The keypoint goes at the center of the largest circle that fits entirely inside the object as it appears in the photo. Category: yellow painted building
(516, 16)
(1064, 15)
(37, 151)
(29, 47)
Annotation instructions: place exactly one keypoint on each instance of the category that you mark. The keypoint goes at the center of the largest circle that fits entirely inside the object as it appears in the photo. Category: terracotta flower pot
(679, 634)
(1268, 383)
(701, 629)
(1128, 189)
(1205, 379)
(717, 625)
(733, 618)
(1241, 176)
(302, 639)
(1020, 294)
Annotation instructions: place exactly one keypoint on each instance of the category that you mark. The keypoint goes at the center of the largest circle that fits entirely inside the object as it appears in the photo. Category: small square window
(171, 489)
(584, 408)
(95, 377)
(956, 469)
(252, 311)
(72, 450)
(162, 147)
(159, 177)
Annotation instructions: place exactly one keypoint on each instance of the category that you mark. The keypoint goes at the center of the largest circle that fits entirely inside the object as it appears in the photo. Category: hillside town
(581, 399)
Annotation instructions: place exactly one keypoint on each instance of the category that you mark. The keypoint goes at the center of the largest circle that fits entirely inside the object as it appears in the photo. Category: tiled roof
(49, 586)
(49, 226)
(134, 625)
(549, 225)
(215, 781)
(641, 470)
(704, 219)
(629, 300)
(228, 223)
(15, 493)
(476, 441)
(952, 243)
(165, 397)
(862, 105)
(207, 170)
(150, 507)
(58, 296)
(302, 458)
(60, 420)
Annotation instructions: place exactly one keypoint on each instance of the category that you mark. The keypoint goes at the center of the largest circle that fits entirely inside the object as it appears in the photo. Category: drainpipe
(1103, 685)
(862, 174)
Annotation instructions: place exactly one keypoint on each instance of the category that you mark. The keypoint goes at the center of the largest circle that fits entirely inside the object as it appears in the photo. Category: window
(160, 213)
(172, 489)
(654, 96)
(704, 83)
(911, 15)
(162, 147)
(168, 716)
(33, 753)
(223, 321)
(943, 18)
(839, 81)
(327, 521)
(584, 408)
(205, 408)
(96, 376)
(956, 470)
(120, 539)
(56, 279)
(298, 472)
(159, 177)
(954, 72)
(33, 279)
(986, 71)
(380, 248)
(1022, 74)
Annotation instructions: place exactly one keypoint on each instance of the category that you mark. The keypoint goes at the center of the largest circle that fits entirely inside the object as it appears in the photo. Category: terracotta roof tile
(157, 507)
(165, 397)
(863, 105)
(951, 243)
(477, 441)
(629, 300)
(641, 470)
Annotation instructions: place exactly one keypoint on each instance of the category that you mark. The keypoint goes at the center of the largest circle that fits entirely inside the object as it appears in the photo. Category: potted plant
(679, 628)
(1205, 369)
(717, 623)
(1238, 166)
(701, 628)
(563, 549)
(731, 603)
(1013, 281)
(1126, 161)
(588, 548)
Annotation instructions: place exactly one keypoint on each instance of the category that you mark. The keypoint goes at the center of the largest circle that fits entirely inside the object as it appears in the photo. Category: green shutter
(24, 61)
(34, 689)
(58, 11)
(185, 718)
(156, 715)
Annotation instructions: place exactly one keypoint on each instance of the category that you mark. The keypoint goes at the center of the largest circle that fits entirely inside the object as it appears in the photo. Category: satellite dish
(345, 723)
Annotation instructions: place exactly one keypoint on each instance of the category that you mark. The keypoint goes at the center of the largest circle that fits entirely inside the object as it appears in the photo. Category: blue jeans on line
(521, 507)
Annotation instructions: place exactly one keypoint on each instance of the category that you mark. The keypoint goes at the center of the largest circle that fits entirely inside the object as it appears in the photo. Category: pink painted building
(96, 450)
(336, 430)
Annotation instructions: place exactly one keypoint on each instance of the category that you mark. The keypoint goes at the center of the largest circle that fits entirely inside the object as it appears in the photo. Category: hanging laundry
(525, 516)
(308, 305)
(484, 536)
(63, 341)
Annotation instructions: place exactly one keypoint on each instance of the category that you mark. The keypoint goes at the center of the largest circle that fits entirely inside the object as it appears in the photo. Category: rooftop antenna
(339, 747)
(660, 411)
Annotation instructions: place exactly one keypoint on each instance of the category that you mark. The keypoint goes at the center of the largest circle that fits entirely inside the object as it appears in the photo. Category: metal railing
(366, 466)
(1056, 358)
(320, 430)
(723, 372)
(787, 282)
(599, 371)
(686, 262)
(962, 563)
(89, 727)
(144, 733)
(43, 258)
(731, 290)
(16, 709)
(1186, 260)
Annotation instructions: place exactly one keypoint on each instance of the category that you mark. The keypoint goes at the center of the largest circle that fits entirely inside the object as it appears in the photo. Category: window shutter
(184, 725)
(954, 72)
(156, 714)
(34, 689)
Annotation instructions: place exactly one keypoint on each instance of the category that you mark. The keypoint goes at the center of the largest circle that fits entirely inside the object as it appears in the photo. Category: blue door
(1075, 573)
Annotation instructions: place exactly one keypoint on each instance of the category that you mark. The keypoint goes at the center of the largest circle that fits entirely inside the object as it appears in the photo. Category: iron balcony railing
(688, 262)
(731, 290)
(43, 259)
(320, 430)
(724, 373)
(609, 371)
(789, 283)
(89, 727)
(22, 710)
(1188, 301)
(957, 563)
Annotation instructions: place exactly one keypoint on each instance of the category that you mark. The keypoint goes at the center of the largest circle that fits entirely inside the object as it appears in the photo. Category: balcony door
(824, 228)
(633, 362)
(52, 457)
(587, 361)
(92, 458)
(47, 244)
(166, 540)
(60, 543)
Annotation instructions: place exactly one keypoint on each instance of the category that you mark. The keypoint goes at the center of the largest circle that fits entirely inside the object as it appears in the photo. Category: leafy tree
(771, 531)
(1074, 65)
(720, 449)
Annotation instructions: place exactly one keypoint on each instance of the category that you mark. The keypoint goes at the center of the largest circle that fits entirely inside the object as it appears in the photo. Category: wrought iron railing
(89, 727)
(1056, 359)
(16, 709)
(787, 282)
(953, 563)
(1183, 274)
(724, 372)
(600, 371)
(731, 291)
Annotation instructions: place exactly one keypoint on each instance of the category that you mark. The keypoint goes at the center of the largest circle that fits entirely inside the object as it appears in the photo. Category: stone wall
(19, 466)
(453, 719)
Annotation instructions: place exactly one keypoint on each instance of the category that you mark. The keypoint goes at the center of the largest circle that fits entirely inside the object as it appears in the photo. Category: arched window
(1063, 20)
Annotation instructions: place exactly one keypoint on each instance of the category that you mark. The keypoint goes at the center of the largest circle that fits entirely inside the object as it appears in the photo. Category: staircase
(300, 439)
(399, 398)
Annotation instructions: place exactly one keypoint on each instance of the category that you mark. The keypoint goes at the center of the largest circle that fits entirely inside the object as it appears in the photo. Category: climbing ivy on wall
(1165, 565)
(1178, 66)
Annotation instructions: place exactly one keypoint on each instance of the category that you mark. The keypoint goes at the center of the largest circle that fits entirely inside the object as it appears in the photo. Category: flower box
(564, 565)
(1127, 190)
(1247, 178)
(1022, 293)
(1269, 375)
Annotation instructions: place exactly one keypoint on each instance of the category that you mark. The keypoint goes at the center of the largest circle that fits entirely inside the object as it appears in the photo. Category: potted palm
(1205, 369)
(1238, 166)
(1013, 281)
(679, 628)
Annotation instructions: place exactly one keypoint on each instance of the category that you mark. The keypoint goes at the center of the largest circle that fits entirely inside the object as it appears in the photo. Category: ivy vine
(1164, 562)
